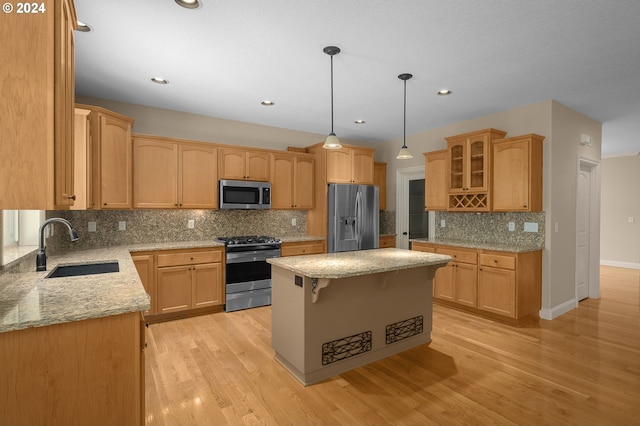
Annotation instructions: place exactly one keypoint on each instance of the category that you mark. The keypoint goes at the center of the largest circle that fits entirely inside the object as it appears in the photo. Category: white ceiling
(224, 58)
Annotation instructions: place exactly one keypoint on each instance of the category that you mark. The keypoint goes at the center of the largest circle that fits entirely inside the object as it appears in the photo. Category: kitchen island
(338, 311)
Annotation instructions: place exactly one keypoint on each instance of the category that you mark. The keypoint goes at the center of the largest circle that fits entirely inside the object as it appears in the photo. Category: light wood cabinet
(37, 98)
(380, 180)
(509, 284)
(173, 174)
(350, 165)
(82, 160)
(292, 178)
(468, 170)
(517, 173)
(111, 159)
(75, 373)
(387, 241)
(299, 248)
(146, 267)
(189, 279)
(435, 186)
(503, 286)
(241, 164)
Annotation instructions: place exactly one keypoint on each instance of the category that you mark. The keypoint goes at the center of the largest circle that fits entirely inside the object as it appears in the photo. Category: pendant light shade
(332, 141)
(404, 153)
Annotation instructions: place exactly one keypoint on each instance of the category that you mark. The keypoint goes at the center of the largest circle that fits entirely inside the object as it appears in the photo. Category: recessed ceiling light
(359, 121)
(444, 92)
(268, 103)
(160, 80)
(189, 4)
(82, 27)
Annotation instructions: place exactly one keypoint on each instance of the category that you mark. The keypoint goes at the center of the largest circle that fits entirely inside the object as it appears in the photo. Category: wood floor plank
(581, 368)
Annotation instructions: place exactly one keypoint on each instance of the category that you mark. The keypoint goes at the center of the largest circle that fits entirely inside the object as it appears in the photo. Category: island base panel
(354, 321)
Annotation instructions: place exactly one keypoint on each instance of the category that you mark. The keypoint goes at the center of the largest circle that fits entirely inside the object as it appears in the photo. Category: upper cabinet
(467, 170)
(435, 186)
(174, 174)
(111, 163)
(350, 165)
(292, 180)
(380, 180)
(242, 164)
(517, 173)
(37, 98)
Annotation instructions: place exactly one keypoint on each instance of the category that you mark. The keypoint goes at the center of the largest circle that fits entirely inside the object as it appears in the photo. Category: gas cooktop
(248, 240)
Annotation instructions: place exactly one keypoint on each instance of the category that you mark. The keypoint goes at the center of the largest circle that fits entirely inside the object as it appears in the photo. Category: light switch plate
(191, 224)
(122, 225)
(530, 227)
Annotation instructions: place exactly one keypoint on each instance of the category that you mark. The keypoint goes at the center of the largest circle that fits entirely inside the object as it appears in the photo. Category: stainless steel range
(248, 275)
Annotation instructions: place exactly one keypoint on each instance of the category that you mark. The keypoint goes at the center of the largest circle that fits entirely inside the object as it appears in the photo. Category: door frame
(403, 176)
(594, 226)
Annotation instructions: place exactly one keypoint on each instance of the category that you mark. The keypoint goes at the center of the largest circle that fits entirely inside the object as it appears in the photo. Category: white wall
(620, 240)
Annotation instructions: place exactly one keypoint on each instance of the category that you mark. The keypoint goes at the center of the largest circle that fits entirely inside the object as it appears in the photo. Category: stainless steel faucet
(41, 257)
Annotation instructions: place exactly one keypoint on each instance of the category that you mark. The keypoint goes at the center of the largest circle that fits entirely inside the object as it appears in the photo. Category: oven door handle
(246, 257)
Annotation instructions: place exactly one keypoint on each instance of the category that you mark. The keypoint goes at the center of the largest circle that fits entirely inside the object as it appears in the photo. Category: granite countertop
(28, 299)
(513, 248)
(354, 263)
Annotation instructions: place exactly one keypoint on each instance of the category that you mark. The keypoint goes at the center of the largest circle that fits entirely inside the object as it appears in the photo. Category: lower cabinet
(504, 286)
(182, 281)
(77, 373)
(387, 241)
(299, 248)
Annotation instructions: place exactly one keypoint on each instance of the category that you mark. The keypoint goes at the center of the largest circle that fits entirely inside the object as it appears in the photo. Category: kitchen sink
(84, 269)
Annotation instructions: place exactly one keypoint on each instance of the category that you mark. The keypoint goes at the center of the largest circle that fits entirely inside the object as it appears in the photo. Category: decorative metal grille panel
(403, 329)
(346, 347)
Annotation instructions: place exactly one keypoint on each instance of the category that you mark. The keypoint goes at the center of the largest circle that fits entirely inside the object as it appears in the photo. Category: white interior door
(583, 234)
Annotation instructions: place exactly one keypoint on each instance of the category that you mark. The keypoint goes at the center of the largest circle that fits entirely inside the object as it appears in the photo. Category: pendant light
(332, 141)
(404, 153)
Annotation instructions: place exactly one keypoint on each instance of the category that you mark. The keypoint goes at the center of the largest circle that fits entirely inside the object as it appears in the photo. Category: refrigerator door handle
(358, 219)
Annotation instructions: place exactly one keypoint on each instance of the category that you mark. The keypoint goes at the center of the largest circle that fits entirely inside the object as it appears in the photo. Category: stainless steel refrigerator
(354, 217)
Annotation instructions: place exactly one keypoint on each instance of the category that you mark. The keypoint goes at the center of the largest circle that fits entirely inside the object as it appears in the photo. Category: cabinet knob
(73, 197)
(105, 204)
(192, 258)
(525, 206)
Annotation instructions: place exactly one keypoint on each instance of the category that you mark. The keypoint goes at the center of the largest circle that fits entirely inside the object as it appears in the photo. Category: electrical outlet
(191, 224)
(294, 222)
(531, 227)
(91, 227)
(443, 223)
(512, 226)
(122, 225)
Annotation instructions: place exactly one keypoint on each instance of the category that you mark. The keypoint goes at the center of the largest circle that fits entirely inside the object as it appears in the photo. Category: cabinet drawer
(460, 255)
(188, 258)
(417, 246)
(298, 249)
(387, 241)
(498, 261)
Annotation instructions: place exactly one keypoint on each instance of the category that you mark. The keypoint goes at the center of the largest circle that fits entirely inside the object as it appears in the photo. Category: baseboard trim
(556, 311)
(628, 265)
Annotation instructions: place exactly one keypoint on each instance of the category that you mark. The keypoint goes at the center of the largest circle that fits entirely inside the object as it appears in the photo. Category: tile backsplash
(159, 225)
(491, 227)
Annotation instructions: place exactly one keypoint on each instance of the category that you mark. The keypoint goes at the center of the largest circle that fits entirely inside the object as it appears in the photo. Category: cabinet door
(64, 98)
(303, 182)
(231, 164)
(362, 166)
(339, 166)
(82, 160)
(466, 284)
(477, 176)
(281, 181)
(257, 166)
(115, 162)
(145, 266)
(174, 289)
(511, 176)
(435, 187)
(197, 181)
(444, 283)
(207, 285)
(457, 152)
(155, 174)
(380, 180)
(497, 291)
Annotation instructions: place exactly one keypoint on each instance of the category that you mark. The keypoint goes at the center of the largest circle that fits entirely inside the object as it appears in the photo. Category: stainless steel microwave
(243, 194)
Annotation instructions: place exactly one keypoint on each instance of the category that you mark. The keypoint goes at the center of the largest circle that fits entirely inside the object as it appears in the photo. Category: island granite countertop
(512, 248)
(354, 263)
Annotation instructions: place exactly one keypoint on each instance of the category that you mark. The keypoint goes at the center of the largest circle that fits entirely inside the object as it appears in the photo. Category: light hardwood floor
(582, 368)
